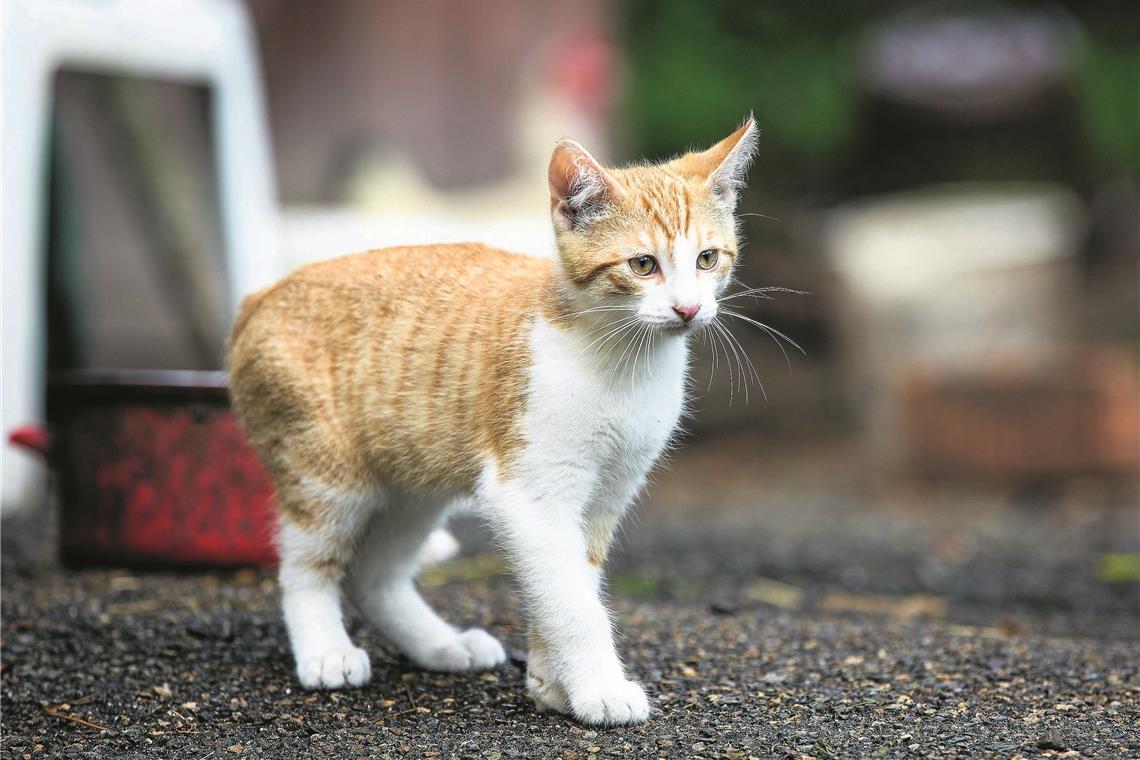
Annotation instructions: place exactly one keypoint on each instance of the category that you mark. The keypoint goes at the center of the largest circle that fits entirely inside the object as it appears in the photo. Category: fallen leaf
(898, 607)
(775, 593)
(1119, 568)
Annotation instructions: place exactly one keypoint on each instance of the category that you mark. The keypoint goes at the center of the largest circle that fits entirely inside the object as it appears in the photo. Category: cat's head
(657, 242)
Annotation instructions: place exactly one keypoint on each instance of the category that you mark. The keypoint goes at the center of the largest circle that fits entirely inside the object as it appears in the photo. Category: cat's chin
(678, 330)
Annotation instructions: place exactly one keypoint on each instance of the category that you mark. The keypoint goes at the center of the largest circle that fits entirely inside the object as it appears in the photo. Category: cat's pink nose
(687, 312)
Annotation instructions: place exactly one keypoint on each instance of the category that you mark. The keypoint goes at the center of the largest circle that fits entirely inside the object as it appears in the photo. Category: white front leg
(546, 543)
(607, 509)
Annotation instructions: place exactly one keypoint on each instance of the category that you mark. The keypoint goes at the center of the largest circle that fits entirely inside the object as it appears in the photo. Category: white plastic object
(207, 42)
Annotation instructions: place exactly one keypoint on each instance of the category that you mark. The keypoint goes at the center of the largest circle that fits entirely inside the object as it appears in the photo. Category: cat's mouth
(679, 328)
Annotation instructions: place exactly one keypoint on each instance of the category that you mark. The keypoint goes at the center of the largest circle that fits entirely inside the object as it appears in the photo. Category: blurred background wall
(953, 185)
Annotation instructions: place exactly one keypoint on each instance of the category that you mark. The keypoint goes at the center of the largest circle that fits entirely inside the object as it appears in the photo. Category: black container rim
(133, 385)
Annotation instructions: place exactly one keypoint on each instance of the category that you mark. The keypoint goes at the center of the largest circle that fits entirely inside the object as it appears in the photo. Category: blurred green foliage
(697, 68)
(1109, 90)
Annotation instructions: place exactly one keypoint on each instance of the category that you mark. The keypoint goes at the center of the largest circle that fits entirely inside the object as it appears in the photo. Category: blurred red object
(1023, 424)
(585, 71)
(31, 437)
(154, 470)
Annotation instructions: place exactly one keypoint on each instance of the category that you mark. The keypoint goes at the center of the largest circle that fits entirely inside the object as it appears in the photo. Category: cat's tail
(439, 546)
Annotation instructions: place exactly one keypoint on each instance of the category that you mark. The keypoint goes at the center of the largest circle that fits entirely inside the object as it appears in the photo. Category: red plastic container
(154, 470)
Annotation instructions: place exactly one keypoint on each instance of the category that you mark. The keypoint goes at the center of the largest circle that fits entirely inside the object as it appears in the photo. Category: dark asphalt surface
(790, 611)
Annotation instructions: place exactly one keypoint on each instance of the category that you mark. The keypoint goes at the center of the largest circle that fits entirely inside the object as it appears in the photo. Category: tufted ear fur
(580, 189)
(724, 165)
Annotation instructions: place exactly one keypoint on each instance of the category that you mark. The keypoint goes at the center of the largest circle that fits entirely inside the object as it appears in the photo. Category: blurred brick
(1021, 423)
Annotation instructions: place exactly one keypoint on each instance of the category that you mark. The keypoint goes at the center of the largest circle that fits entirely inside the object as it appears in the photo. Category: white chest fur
(593, 427)
(601, 417)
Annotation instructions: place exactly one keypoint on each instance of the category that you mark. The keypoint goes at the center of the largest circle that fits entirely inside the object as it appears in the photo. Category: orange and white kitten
(383, 388)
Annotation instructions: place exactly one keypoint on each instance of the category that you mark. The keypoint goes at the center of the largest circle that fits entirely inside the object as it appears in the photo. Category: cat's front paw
(334, 669)
(474, 649)
(612, 704)
(543, 687)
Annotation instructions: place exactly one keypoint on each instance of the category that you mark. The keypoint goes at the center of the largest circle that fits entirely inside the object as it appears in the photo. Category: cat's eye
(643, 266)
(707, 259)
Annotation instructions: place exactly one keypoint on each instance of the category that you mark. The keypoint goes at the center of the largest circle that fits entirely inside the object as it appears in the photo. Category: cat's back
(390, 285)
(443, 261)
(421, 275)
(409, 352)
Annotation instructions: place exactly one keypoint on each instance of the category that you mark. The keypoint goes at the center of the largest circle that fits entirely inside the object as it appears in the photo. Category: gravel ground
(786, 610)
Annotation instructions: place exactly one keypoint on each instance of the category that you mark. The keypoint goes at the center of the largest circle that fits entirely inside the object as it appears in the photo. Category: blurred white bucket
(947, 281)
(208, 42)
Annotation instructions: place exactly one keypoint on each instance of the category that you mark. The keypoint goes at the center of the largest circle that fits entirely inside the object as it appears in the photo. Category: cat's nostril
(687, 313)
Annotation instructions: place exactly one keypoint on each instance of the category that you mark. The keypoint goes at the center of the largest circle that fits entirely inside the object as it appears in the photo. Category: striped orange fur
(404, 365)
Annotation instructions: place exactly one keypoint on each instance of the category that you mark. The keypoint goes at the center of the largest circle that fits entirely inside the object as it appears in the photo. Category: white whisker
(772, 332)
(615, 370)
(754, 374)
(615, 328)
(741, 379)
(764, 293)
(618, 341)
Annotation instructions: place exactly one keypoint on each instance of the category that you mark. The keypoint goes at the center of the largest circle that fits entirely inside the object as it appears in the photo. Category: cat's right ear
(580, 189)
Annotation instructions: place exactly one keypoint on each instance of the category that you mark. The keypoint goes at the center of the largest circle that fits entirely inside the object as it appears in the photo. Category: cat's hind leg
(321, 528)
(381, 584)
(440, 546)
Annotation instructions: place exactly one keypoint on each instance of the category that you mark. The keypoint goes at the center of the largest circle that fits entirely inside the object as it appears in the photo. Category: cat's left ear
(725, 165)
(580, 189)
